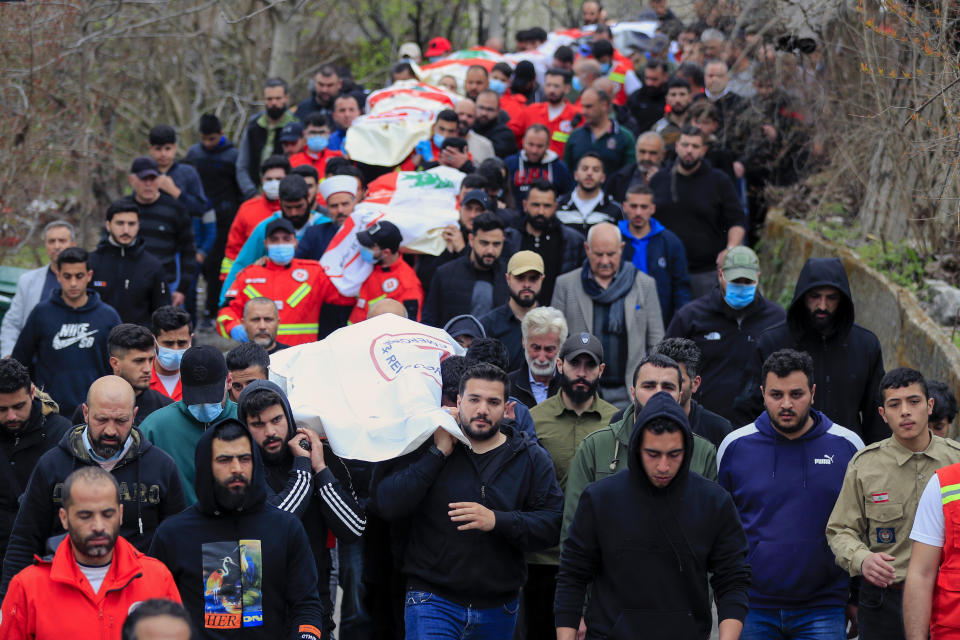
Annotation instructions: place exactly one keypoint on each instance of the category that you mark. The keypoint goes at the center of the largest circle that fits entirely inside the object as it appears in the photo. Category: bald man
(617, 303)
(150, 488)
(388, 305)
(480, 148)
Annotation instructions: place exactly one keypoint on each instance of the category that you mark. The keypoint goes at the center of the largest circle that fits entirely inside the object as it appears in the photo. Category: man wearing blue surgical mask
(725, 325)
(177, 428)
(316, 153)
(171, 327)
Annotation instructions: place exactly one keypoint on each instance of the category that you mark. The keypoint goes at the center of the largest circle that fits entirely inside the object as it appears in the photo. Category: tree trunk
(286, 41)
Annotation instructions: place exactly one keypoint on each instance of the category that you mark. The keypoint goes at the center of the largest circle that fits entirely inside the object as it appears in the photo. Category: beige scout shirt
(876, 506)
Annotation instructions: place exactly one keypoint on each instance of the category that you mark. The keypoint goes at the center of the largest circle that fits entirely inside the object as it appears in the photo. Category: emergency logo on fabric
(232, 584)
(886, 535)
(392, 353)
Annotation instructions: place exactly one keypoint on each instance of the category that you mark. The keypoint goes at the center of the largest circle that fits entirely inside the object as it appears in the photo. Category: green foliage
(899, 262)
(832, 229)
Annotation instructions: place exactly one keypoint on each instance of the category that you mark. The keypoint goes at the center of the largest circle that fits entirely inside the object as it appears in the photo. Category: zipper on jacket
(483, 493)
(126, 283)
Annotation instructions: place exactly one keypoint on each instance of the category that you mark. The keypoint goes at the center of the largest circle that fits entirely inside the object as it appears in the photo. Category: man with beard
(237, 562)
(524, 279)
(95, 577)
(847, 357)
(563, 421)
(474, 283)
(150, 487)
(560, 246)
(480, 147)
(716, 78)
(261, 138)
(588, 205)
(327, 86)
(307, 477)
(27, 431)
(261, 320)
(650, 152)
(599, 133)
(491, 124)
(476, 80)
(341, 190)
(297, 201)
(699, 203)
(542, 332)
(473, 513)
(785, 471)
(614, 301)
(127, 277)
(678, 99)
(555, 113)
(536, 162)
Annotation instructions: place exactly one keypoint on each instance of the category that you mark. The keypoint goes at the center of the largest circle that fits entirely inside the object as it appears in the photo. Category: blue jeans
(354, 620)
(819, 623)
(429, 616)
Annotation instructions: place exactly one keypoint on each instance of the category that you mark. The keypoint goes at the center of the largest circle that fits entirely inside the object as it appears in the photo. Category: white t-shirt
(169, 382)
(554, 111)
(95, 575)
(929, 526)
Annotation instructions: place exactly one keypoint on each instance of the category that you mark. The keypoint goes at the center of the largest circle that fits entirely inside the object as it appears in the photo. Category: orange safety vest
(945, 615)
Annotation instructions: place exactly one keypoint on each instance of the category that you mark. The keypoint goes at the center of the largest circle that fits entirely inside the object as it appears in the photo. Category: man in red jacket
(94, 578)
(556, 114)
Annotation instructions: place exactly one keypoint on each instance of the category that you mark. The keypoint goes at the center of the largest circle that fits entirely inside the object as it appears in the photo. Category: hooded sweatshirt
(66, 348)
(521, 173)
(129, 279)
(784, 491)
(648, 550)
(847, 363)
(325, 501)
(245, 573)
(150, 491)
(176, 431)
(20, 451)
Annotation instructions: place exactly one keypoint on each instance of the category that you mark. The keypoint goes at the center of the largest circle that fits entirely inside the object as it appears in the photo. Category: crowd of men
(656, 450)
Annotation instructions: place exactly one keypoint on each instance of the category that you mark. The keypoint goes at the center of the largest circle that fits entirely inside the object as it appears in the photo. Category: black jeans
(538, 601)
(880, 613)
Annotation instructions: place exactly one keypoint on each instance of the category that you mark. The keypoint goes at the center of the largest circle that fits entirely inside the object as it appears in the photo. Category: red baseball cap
(437, 47)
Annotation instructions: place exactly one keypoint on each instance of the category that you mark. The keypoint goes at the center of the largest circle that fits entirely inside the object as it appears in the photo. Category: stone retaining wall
(907, 334)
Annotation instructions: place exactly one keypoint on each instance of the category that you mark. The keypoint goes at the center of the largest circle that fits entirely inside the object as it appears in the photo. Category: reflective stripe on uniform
(221, 324)
(225, 265)
(560, 136)
(619, 78)
(950, 493)
(298, 295)
(297, 329)
(250, 292)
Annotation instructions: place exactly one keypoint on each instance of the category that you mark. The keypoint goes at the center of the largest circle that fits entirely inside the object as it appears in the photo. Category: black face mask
(275, 113)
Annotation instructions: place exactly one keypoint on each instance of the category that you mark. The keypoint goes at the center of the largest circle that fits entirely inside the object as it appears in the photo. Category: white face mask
(271, 189)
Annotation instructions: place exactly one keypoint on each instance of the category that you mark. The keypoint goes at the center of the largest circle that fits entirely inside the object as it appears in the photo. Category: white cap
(339, 184)
(410, 50)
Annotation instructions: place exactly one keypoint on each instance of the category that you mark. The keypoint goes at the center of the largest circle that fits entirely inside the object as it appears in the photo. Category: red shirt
(318, 162)
(398, 281)
(157, 385)
(249, 215)
(560, 127)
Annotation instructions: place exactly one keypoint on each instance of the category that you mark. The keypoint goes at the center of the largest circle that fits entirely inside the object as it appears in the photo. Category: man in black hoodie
(473, 513)
(27, 431)
(127, 277)
(491, 123)
(647, 540)
(238, 562)
(150, 488)
(312, 476)
(847, 358)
